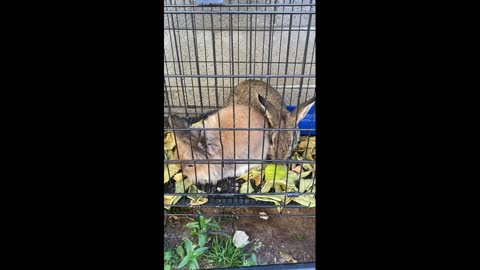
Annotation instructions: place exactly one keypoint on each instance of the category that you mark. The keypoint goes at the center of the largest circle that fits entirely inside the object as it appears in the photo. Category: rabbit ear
(175, 121)
(179, 122)
(302, 110)
(270, 112)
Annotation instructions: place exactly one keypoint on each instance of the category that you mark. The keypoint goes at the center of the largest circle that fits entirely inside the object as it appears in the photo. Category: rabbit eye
(189, 165)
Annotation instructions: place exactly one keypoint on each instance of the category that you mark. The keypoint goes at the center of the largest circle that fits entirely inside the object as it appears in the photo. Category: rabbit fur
(200, 144)
(264, 97)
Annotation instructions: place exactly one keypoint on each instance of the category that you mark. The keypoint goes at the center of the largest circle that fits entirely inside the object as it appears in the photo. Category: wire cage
(210, 48)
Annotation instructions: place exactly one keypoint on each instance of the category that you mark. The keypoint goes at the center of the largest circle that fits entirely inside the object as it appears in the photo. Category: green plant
(300, 237)
(190, 260)
(224, 254)
(201, 227)
(249, 262)
(170, 259)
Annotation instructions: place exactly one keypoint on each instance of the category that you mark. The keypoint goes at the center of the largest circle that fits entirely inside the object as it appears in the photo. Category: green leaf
(184, 262)
(214, 225)
(180, 251)
(275, 171)
(202, 239)
(253, 259)
(193, 265)
(188, 246)
(167, 255)
(193, 224)
(167, 267)
(200, 251)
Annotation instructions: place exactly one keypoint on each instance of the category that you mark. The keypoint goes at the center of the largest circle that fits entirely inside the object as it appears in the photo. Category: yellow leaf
(278, 188)
(200, 201)
(292, 177)
(307, 166)
(266, 187)
(181, 186)
(169, 170)
(178, 177)
(287, 258)
(168, 154)
(305, 200)
(305, 184)
(275, 171)
(194, 189)
(305, 174)
(267, 198)
(283, 184)
(170, 200)
(169, 141)
(252, 174)
(246, 187)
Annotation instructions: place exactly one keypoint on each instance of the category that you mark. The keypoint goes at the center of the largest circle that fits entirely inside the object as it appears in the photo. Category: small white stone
(263, 215)
(219, 189)
(240, 239)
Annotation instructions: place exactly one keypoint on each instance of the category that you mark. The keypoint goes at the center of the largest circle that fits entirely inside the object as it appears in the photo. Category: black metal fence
(211, 49)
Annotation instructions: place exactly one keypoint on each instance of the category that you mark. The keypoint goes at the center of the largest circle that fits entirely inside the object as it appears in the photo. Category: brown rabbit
(200, 144)
(265, 98)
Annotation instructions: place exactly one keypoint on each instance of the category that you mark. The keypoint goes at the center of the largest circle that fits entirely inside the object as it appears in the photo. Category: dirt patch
(290, 234)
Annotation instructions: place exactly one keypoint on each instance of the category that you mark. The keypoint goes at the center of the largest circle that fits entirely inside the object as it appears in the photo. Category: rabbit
(265, 98)
(200, 144)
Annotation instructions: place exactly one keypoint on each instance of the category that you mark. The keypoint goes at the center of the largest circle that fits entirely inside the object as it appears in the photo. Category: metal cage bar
(211, 49)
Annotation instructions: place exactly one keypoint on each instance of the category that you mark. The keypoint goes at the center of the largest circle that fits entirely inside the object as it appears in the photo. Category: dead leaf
(297, 169)
(286, 257)
(266, 187)
(305, 200)
(246, 187)
(254, 173)
(196, 199)
(169, 170)
(170, 200)
(182, 186)
(169, 141)
(257, 180)
(178, 177)
(305, 185)
(200, 201)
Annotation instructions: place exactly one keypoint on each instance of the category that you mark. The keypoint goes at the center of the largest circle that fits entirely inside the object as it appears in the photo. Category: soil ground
(292, 235)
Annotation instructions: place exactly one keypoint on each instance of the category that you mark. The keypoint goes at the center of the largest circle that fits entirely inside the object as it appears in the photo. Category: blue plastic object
(307, 122)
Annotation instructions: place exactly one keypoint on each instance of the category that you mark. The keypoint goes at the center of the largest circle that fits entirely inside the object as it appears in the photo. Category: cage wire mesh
(209, 50)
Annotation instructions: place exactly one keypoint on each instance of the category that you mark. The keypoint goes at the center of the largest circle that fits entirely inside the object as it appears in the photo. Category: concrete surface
(232, 43)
